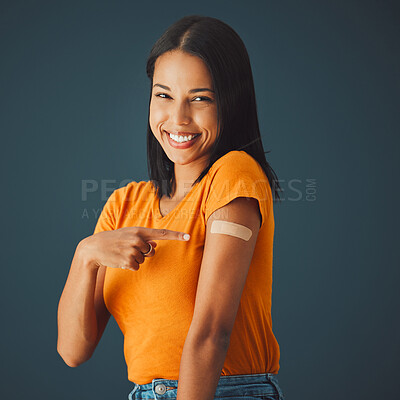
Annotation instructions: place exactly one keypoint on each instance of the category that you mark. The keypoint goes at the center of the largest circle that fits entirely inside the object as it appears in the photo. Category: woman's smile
(181, 138)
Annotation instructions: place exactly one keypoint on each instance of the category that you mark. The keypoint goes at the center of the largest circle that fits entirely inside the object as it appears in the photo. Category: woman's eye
(203, 98)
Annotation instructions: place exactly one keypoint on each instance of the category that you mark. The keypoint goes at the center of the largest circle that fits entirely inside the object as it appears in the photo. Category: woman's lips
(183, 133)
(183, 145)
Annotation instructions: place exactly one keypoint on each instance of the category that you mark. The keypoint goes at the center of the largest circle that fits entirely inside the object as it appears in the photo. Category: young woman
(183, 262)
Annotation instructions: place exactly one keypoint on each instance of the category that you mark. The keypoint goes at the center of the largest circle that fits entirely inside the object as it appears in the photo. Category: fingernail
(186, 236)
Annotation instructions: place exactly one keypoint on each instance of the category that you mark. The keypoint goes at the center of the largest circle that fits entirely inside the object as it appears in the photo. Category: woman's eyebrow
(190, 91)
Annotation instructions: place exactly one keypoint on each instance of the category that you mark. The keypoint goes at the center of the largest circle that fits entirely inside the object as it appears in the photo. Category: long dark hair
(226, 57)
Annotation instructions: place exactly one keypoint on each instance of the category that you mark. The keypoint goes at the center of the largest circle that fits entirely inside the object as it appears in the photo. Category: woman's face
(183, 103)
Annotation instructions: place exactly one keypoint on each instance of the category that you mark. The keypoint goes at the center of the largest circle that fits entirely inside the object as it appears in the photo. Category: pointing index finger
(167, 234)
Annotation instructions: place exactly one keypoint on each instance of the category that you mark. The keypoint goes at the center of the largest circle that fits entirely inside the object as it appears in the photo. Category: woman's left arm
(223, 273)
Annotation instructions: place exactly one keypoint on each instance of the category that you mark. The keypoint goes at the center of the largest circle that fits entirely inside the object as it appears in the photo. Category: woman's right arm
(82, 314)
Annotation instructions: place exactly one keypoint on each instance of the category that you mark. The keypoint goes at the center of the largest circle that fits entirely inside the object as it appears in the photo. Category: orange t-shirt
(154, 305)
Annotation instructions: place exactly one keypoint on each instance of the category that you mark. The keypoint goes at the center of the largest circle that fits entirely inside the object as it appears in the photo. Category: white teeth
(180, 139)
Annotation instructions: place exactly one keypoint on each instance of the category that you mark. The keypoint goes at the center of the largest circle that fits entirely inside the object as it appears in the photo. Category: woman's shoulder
(138, 188)
(237, 174)
(234, 162)
(133, 190)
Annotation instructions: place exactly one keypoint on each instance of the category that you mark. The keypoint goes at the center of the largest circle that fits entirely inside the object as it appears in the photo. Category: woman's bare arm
(82, 315)
(223, 274)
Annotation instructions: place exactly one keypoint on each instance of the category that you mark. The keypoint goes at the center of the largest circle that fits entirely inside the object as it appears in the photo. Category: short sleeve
(237, 174)
(108, 216)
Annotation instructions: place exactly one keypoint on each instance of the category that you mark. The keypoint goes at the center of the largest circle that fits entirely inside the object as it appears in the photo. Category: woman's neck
(185, 175)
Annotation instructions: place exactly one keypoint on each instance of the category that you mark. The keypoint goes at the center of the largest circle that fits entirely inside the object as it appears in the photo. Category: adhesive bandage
(232, 229)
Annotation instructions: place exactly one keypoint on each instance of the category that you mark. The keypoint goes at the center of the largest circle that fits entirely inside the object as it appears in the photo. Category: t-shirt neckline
(156, 207)
(156, 203)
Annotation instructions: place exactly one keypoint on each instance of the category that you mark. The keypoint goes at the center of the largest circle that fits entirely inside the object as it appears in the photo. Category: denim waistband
(224, 381)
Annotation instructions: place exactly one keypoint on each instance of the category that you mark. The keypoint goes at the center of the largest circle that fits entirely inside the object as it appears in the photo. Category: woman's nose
(180, 113)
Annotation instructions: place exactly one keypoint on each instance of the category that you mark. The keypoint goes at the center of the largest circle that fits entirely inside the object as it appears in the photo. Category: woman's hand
(124, 247)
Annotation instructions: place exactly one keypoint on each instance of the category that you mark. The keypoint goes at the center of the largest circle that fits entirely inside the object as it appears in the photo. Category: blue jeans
(233, 387)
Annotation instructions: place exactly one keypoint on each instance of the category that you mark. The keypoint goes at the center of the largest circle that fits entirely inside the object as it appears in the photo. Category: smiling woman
(194, 309)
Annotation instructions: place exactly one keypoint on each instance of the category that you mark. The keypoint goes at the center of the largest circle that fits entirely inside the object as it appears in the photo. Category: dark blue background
(74, 97)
